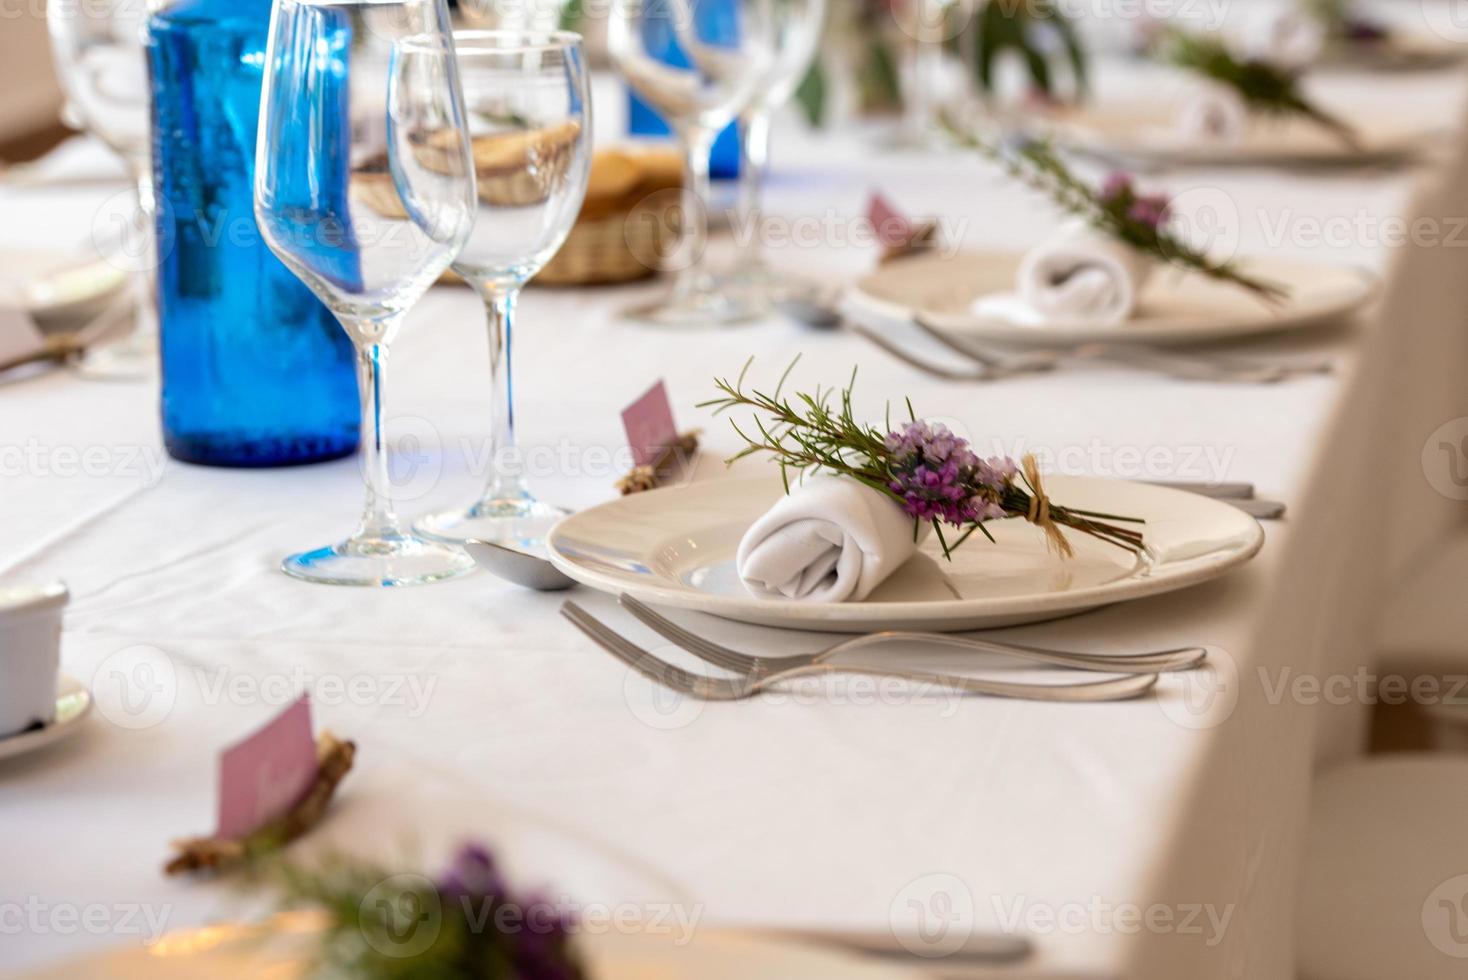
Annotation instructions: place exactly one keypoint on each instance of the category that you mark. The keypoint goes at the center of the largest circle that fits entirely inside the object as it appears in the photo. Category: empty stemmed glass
(729, 48)
(97, 47)
(927, 26)
(796, 36)
(364, 187)
(529, 111)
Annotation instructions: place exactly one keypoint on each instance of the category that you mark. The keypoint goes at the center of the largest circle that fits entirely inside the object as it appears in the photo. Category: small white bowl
(30, 655)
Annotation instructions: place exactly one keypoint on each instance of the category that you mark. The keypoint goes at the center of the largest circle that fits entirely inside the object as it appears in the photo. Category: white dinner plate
(675, 547)
(1175, 307)
(281, 949)
(73, 704)
(1146, 134)
(60, 288)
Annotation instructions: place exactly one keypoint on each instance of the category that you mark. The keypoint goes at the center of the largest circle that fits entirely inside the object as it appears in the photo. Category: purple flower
(1119, 195)
(531, 933)
(472, 874)
(1149, 210)
(938, 477)
(1118, 184)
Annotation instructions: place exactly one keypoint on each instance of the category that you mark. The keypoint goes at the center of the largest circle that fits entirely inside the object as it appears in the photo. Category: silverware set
(983, 363)
(1138, 672)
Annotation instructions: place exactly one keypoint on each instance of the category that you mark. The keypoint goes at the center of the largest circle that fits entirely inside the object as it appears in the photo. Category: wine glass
(97, 48)
(729, 47)
(529, 109)
(927, 25)
(364, 187)
(797, 37)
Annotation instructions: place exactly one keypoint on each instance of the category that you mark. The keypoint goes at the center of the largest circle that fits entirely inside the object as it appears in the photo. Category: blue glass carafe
(660, 40)
(256, 370)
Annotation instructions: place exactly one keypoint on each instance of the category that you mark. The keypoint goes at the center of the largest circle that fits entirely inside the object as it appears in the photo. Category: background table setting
(917, 541)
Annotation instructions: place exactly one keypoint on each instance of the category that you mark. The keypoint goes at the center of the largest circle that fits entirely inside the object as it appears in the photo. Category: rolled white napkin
(1288, 39)
(1080, 277)
(832, 539)
(1213, 114)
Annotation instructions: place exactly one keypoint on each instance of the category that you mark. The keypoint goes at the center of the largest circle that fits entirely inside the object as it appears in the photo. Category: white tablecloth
(1147, 839)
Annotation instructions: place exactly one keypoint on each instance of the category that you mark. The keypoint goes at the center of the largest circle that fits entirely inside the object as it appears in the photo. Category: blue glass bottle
(659, 39)
(256, 371)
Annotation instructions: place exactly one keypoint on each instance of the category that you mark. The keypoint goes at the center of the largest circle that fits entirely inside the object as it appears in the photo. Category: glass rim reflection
(486, 42)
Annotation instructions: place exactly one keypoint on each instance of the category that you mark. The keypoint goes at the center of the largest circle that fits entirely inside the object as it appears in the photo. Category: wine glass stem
(508, 478)
(378, 519)
(924, 65)
(754, 141)
(145, 281)
(698, 143)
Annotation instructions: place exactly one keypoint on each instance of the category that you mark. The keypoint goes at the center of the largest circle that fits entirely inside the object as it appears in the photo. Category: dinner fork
(994, 372)
(1165, 661)
(1221, 368)
(737, 689)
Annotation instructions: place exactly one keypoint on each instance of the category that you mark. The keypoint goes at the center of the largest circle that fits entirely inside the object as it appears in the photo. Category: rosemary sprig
(1265, 88)
(820, 431)
(1035, 164)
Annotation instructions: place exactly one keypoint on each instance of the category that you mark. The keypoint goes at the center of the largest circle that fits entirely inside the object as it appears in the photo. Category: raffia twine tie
(1039, 513)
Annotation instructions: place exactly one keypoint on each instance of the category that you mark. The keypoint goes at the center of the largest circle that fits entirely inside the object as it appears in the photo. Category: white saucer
(676, 546)
(73, 704)
(1175, 307)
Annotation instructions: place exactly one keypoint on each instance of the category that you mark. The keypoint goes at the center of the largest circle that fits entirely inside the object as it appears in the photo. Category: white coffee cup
(30, 655)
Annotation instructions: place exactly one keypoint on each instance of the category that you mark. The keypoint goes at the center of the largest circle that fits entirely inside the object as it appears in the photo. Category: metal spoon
(527, 570)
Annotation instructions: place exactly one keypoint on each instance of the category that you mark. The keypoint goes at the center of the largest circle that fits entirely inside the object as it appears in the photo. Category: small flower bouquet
(1117, 209)
(934, 476)
(467, 925)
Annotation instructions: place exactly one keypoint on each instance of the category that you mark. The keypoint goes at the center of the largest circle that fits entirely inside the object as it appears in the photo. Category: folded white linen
(1213, 114)
(831, 539)
(1080, 277)
(1289, 39)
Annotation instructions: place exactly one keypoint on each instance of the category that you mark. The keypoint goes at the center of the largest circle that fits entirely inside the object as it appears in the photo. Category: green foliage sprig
(915, 465)
(1036, 164)
(1265, 88)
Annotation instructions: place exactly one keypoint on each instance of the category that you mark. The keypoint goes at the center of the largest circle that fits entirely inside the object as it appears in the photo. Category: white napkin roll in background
(1287, 38)
(1215, 114)
(1080, 277)
(831, 539)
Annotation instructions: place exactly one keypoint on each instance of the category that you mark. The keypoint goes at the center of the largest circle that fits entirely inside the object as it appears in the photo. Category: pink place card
(892, 227)
(650, 426)
(266, 774)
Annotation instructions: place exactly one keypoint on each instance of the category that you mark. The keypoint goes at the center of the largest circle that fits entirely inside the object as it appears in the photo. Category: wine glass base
(701, 309)
(763, 285)
(379, 562)
(520, 522)
(134, 358)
